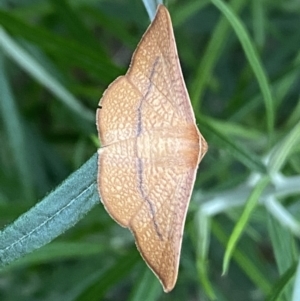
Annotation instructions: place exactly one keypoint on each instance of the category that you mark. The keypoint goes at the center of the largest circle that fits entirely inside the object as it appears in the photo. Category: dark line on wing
(140, 168)
(153, 86)
(139, 110)
(144, 196)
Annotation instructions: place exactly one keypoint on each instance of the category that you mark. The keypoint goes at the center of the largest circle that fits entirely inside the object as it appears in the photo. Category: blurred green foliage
(241, 61)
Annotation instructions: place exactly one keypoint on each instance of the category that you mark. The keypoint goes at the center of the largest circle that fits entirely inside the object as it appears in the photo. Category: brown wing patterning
(151, 148)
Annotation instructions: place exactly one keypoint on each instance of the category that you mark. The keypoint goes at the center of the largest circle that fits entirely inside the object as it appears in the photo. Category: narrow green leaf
(253, 59)
(232, 129)
(188, 9)
(76, 26)
(56, 213)
(294, 117)
(243, 221)
(119, 270)
(211, 55)
(56, 251)
(15, 133)
(147, 288)
(66, 50)
(280, 88)
(115, 27)
(32, 66)
(285, 250)
(281, 284)
(283, 149)
(296, 291)
(250, 269)
(258, 18)
(245, 156)
(202, 230)
(282, 215)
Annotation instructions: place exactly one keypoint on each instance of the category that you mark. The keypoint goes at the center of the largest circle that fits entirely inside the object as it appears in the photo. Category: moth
(151, 148)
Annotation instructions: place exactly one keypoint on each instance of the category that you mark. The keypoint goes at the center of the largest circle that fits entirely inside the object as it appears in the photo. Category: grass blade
(253, 59)
(242, 222)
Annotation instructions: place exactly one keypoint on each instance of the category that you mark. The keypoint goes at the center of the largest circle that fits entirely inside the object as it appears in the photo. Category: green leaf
(212, 53)
(119, 270)
(147, 288)
(202, 237)
(296, 292)
(56, 251)
(280, 285)
(56, 213)
(253, 271)
(282, 214)
(15, 133)
(243, 221)
(285, 249)
(76, 26)
(32, 66)
(252, 57)
(67, 50)
(283, 149)
(244, 155)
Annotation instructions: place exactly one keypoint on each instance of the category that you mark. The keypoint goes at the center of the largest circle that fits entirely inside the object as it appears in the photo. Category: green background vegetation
(240, 60)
